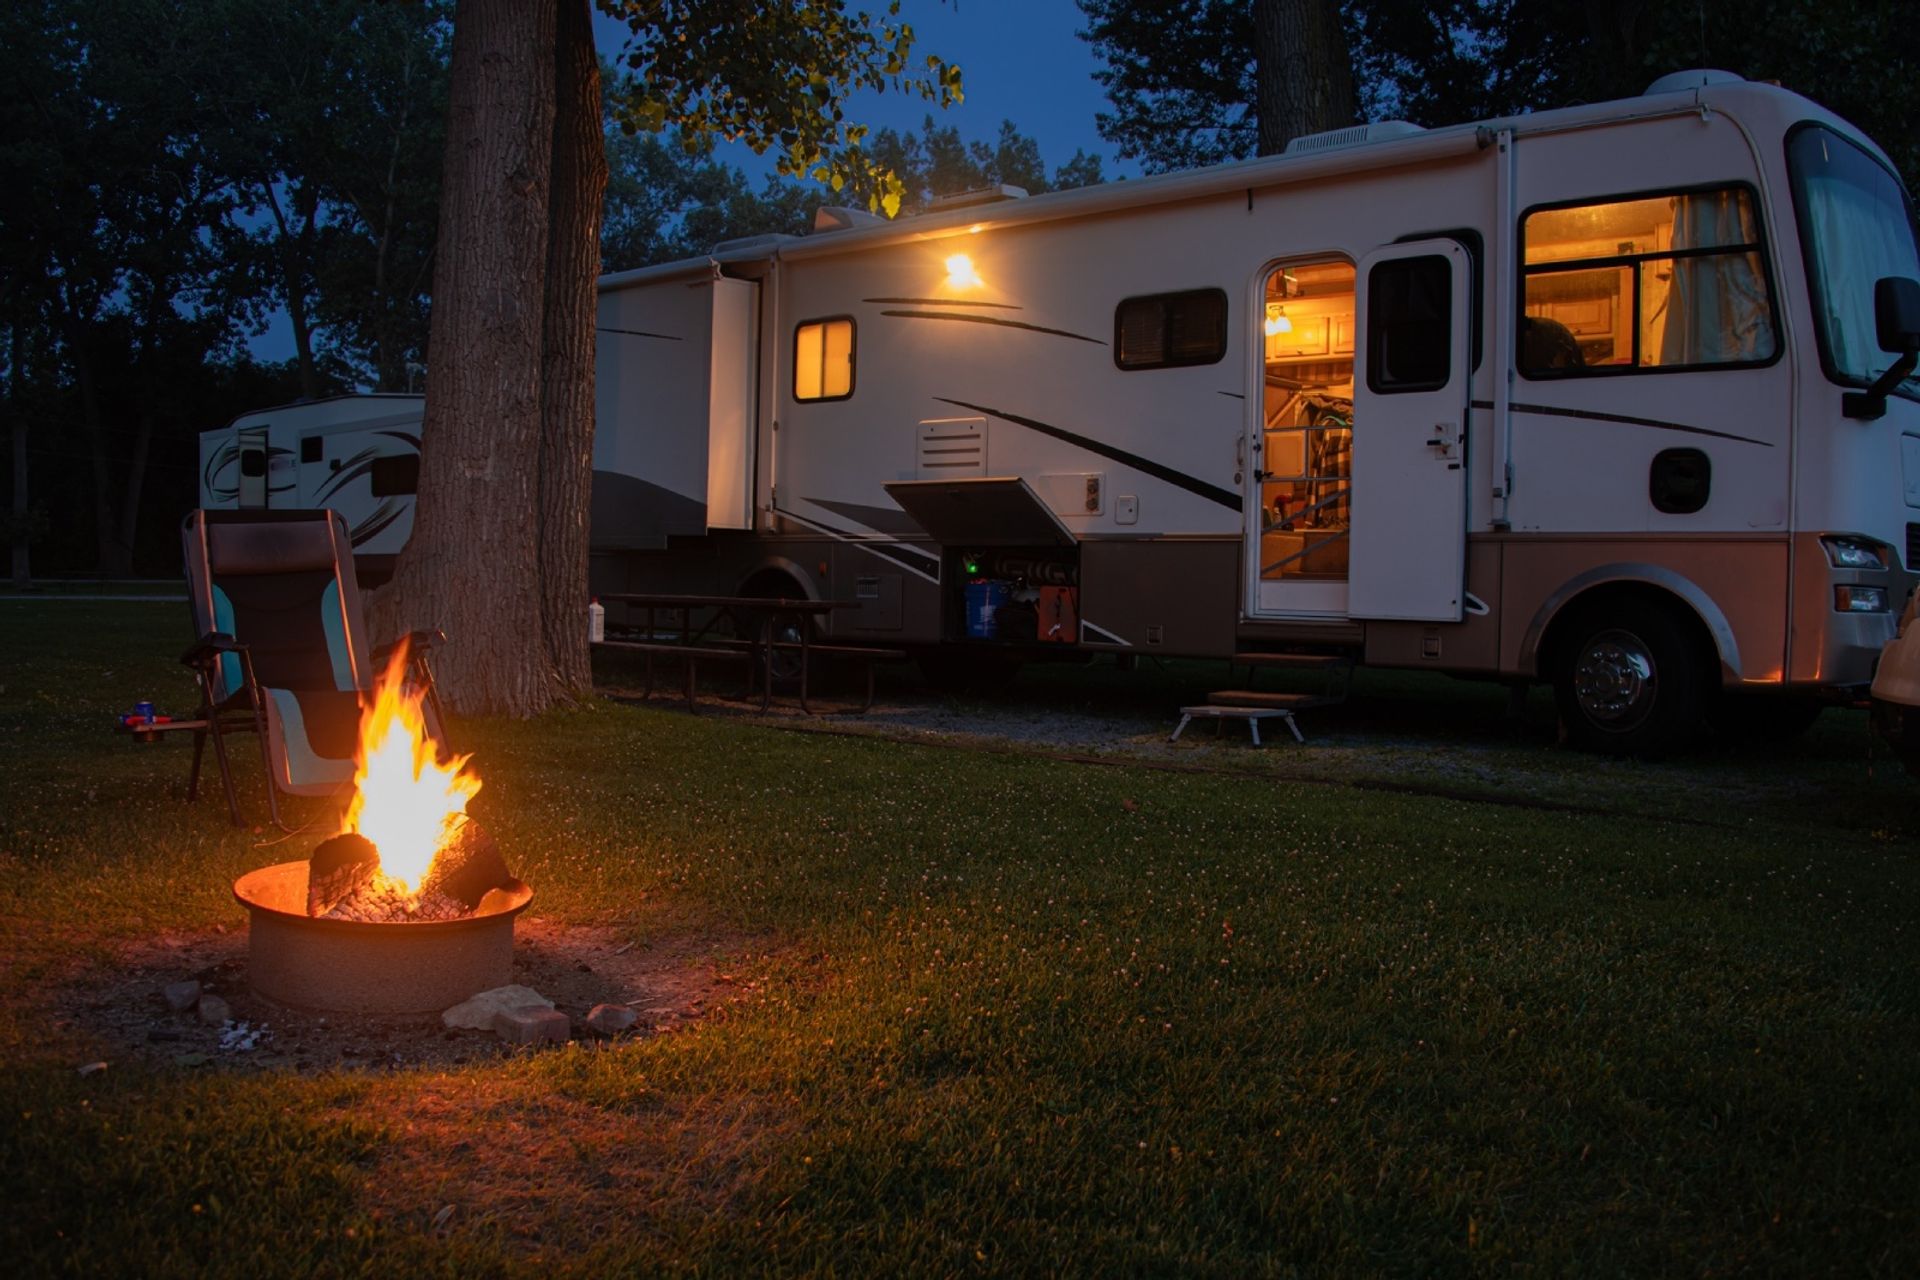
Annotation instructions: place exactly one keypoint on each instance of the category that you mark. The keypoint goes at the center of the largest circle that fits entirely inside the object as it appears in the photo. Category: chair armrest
(209, 645)
(416, 641)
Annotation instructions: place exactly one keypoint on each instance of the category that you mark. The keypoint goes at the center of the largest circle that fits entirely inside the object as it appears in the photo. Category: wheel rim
(1615, 681)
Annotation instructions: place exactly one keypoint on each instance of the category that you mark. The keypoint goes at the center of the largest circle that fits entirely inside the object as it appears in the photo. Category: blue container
(983, 601)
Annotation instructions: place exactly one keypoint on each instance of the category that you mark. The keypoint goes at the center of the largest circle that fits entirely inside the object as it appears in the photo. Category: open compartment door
(983, 511)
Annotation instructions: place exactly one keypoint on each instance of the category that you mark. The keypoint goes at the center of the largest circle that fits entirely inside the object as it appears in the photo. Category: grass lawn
(1011, 1013)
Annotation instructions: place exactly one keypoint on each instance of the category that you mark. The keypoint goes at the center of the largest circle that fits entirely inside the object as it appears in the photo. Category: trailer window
(395, 477)
(1170, 330)
(1671, 281)
(823, 359)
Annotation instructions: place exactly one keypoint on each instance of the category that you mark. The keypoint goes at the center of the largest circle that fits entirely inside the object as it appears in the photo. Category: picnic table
(749, 629)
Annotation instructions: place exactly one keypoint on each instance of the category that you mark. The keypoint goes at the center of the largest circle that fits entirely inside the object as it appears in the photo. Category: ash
(385, 900)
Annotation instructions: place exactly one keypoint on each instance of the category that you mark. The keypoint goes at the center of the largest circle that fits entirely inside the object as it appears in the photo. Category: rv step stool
(1253, 706)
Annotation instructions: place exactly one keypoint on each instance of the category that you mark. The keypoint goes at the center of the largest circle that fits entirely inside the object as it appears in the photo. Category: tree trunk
(22, 535)
(573, 263)
(1304, 71)
(471, 566)
(114, 562)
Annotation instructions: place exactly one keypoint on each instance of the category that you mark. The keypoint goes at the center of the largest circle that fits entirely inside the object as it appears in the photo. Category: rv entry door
(1411, 368)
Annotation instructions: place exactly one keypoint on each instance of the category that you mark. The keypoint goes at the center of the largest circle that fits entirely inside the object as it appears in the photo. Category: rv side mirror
(1896, 322)
(1896, 313)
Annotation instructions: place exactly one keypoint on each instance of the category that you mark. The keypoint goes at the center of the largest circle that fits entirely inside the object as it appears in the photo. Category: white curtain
(1717, 310)
(1850, 225)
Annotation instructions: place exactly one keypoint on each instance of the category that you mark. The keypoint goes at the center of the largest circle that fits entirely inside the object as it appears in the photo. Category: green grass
(1026, 1015)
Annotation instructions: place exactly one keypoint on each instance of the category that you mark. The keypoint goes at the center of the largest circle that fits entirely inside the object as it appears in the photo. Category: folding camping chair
(282, 651)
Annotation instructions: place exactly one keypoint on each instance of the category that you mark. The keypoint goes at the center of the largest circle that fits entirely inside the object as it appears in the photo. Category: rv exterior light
(1277, 321)
(1860, 599)
(960, 272)
(1853, 553)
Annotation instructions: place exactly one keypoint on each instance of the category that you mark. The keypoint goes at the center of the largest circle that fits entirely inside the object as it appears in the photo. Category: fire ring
(352, 966)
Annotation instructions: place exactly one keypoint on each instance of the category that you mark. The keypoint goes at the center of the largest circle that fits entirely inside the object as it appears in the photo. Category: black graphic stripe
(1005, 324)
(906, 557)
(1231, 395)
(1590, 415)
(376, 524)
(1159, 471)
(947, 302)
(638, 333)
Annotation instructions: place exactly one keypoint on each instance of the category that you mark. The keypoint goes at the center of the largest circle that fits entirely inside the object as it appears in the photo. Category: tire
(776, 585)
(1760, 717)
(1629, 679)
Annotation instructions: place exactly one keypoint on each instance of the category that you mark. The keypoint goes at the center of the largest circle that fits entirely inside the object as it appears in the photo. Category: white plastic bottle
(596, 621)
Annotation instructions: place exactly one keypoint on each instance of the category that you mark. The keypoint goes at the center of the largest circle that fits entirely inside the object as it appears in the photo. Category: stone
(477, 1013)
(611, 1019)
(532, 1024)
(182, 996)
(214, 1011)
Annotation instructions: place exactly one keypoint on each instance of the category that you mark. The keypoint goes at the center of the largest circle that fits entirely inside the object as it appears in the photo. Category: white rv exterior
(1552, 397)
(358, 454)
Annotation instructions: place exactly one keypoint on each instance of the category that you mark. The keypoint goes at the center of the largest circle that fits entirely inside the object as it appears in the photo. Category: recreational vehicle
(1593, 396)
(359, 454)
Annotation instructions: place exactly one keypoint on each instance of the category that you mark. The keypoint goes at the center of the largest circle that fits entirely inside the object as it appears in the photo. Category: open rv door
(1412, 366)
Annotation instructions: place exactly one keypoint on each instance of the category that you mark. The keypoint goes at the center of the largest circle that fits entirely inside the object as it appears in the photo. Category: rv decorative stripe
(1589, 415)
(639, 333)
(906, 558)
(1005, 324)
(947, 302)
(1179, 479)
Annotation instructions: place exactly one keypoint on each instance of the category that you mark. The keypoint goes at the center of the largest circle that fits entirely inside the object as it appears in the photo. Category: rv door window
(1170, 330)
(1673, 281)
(823, 359)
(1409, 325)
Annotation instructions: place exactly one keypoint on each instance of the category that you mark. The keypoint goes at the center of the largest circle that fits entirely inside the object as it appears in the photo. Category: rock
(532, 1024)
(611, 1019)
(477, 1014)
(214, 1011)
(182, 996)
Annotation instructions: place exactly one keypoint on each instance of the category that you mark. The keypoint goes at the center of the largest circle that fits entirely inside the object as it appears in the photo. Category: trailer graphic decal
(639, 333)
(914, 562)
(946, 302)
(996, 320)
(1179, 479)
(1590, 415)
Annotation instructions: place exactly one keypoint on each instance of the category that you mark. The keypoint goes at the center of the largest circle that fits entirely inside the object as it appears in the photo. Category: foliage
(1017, 1015)
(773, 76)
(938, 162)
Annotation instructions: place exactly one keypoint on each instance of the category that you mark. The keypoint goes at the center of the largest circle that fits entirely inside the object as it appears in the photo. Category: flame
(404, 798)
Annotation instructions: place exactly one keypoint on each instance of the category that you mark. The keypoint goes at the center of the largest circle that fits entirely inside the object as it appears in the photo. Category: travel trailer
(1598, 397)
(359, 454)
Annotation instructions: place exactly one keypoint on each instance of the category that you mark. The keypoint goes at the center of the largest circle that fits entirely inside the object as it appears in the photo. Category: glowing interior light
(1277, 321)
(960, 272)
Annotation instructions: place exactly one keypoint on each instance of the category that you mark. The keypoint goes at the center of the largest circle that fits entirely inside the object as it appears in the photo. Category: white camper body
(358, 454)
(1556, 396)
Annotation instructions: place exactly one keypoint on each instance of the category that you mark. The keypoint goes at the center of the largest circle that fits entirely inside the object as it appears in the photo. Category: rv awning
(985, 511)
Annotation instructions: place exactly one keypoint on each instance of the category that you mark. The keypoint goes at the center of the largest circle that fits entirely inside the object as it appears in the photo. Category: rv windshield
(1855, 227)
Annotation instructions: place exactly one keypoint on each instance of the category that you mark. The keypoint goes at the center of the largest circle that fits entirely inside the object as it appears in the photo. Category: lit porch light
(960, 272)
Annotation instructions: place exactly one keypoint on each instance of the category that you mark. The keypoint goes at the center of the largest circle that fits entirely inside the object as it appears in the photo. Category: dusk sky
(1020, 61)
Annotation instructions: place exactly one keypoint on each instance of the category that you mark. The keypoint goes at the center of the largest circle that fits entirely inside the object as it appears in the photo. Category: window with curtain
(1672, 281)
(1855, 228)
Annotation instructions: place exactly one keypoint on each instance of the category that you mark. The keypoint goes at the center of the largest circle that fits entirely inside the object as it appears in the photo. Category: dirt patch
(476, 1155)
(670, 978)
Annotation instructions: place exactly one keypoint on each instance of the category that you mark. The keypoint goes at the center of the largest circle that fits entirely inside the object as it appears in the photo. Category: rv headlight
(1860, 599)
(1853, 553)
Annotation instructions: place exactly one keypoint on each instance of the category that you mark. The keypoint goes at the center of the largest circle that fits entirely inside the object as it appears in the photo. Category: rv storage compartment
(1015, 595)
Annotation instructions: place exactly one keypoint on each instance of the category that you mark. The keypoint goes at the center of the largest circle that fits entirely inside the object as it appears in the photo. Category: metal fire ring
(355, 966)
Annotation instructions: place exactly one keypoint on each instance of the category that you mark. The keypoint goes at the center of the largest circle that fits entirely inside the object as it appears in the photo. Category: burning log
(339, 869)
(345, 880)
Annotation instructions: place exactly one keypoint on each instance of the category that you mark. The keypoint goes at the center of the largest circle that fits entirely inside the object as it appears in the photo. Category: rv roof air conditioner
(1351, 136)
(979, 195)
(1696, 78)
(838, 217)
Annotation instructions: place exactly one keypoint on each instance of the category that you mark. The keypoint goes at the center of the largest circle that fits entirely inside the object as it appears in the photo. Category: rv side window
(1168, 330)
(1674, 281)
(823, 359)
(1410, 324)
(395, 477)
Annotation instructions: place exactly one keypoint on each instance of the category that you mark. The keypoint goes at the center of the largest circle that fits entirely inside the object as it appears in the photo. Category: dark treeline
(176, 176)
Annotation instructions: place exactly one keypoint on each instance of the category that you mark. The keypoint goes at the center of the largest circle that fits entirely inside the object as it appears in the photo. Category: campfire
(406, 849)
(410, 907)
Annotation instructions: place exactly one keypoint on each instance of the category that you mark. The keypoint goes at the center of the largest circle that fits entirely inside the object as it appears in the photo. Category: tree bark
(471, 566)
(22, 531)
(567, 388)
(1304, 70)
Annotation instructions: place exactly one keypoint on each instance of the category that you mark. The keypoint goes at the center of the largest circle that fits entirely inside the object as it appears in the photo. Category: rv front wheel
(1628, 679)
